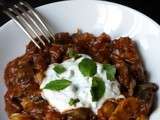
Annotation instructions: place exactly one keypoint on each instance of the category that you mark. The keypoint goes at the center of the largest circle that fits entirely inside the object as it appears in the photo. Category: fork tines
(31, 23)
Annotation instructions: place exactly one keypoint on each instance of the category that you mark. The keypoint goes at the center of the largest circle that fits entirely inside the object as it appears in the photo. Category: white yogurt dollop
(79, 88)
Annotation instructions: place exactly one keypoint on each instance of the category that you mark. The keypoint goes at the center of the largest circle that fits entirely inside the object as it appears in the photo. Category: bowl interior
(90, 16)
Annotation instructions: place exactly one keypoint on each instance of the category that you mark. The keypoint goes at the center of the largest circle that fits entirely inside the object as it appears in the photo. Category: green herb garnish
(59, 69)
(97, 88)
(73, 102)
(87, 67)
(72, 53)
(110, 71)
(58, 85)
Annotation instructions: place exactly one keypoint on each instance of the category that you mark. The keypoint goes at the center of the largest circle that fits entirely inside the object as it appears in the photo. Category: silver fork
(31, 22)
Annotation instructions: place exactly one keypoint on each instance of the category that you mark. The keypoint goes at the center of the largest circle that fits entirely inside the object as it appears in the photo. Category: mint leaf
(73, 101)
(72, 53)
(97, 88)
(87, 67)
(58, 85)
(59, 69)
(110, 71)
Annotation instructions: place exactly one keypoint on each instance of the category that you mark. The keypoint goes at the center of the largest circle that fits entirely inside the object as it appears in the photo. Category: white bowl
(91, 16)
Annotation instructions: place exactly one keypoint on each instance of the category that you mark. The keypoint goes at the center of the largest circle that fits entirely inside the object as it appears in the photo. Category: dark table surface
(148, 7)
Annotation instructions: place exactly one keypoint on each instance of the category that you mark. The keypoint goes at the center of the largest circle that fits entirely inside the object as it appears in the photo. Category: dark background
(148, 7)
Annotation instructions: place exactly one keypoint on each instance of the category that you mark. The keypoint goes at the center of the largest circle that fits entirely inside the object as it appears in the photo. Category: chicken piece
(34, 105)
(83, 40)
(146, 92)
(19, 72)
(107, 109)
(56, 53)
(128, 63)
(12, 102)
(40, 61)
(123, 109)
(63, 38)
(127, 109)
(99, 48)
